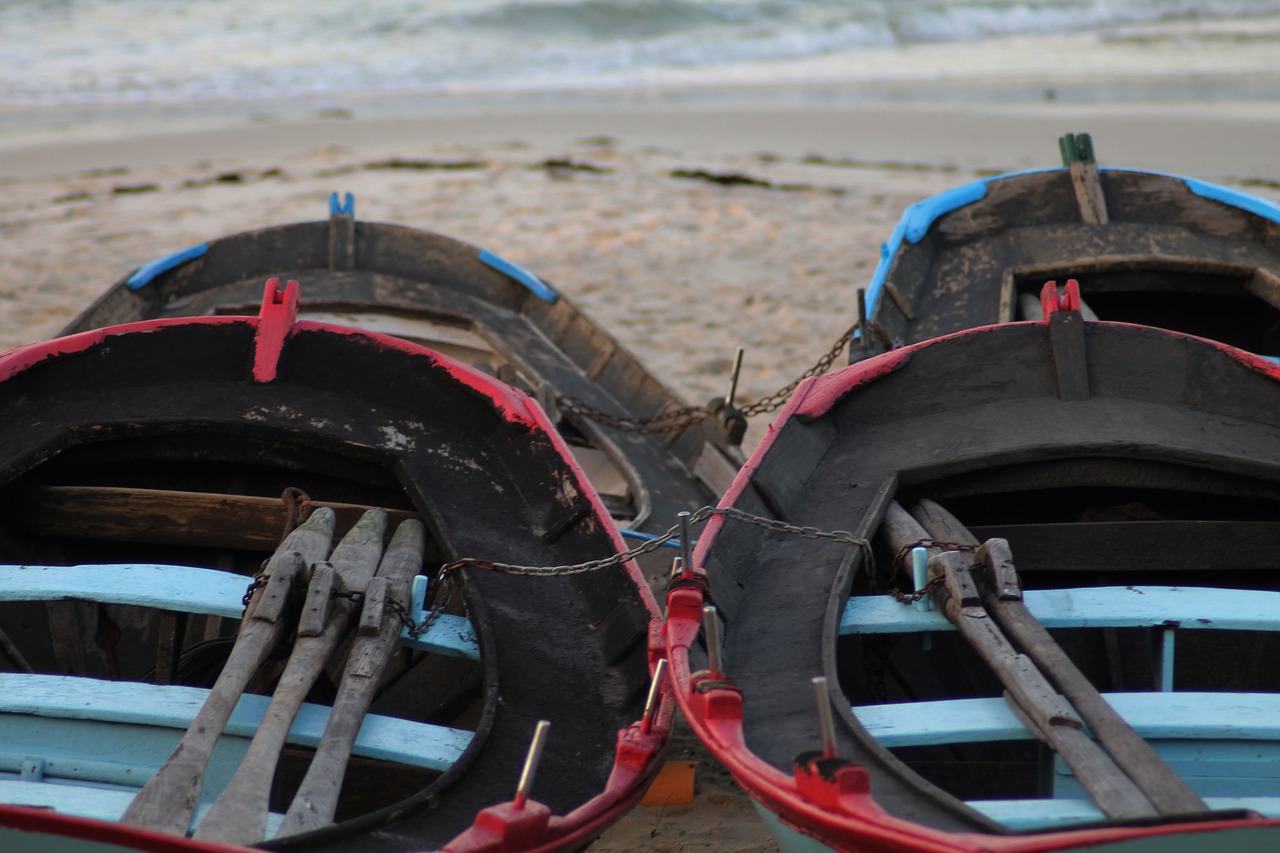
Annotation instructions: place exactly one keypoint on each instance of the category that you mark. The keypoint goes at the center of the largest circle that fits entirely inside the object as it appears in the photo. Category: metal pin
(655, 690)
(920, 574)
(733, 378)
(711, 628)
(531, 762)
(826, 723)
(686, 548)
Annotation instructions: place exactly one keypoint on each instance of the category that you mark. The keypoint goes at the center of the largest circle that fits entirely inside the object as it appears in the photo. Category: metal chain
(678, 419)
(672, 421)
(618, 559)
(899, 561)
(777, 398)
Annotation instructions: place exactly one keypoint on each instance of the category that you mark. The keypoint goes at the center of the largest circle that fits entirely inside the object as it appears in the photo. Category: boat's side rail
(191, 590)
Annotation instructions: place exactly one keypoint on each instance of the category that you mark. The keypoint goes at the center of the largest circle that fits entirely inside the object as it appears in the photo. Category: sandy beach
(685, 230)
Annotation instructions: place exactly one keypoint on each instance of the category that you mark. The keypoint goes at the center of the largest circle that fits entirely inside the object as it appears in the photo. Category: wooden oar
(317, 798)
(1049, 717)
(239, 815)
(1002, 598)
(169, 799)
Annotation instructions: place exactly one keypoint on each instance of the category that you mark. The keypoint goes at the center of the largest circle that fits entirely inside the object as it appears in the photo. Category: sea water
(199, 54)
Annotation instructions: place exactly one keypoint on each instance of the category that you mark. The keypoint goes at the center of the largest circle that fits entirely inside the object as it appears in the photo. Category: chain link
(672, 421)
(678, 419)
(654, 544)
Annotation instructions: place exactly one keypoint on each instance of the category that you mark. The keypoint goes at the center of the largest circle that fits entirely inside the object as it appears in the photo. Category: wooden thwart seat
(190, 590)
(51, 718)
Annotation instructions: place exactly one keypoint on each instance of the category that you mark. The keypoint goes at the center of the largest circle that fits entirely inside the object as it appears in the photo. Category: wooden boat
(473, 305)
(1091, 496)
(1155, 249)
(140, 479)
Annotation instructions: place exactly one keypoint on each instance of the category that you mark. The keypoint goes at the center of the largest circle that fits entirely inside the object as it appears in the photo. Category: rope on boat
(686, 416)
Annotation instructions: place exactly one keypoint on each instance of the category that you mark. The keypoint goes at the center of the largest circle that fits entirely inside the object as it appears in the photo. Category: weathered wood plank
(189, 589)
(1169, 716)
(239, 815)
(119, 703)
(1036, 814)
(170, 517)
(1189, 608)
(168, 800)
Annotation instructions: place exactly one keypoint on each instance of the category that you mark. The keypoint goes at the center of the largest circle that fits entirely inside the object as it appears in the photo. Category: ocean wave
(111, 50)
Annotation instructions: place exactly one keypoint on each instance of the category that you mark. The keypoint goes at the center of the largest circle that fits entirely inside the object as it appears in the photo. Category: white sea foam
(159, 51)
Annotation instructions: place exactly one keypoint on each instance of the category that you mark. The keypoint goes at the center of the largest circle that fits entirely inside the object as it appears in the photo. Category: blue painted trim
(1256, 205)
(649, 537)
(539, 287)
(347, 207)
(146, 273)
(919, 218)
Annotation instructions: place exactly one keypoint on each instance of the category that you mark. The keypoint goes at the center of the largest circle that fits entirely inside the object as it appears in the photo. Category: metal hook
(733, 377)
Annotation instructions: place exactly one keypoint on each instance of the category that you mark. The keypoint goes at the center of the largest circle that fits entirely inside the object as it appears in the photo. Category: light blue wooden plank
(183, 588)
(92, 802)
(449, 635)
(1031, 814)
(1213, 768)
(96, 803)
(102, 753)
(1222, 716)
(68, 697)
(188, 589)
(1091, 607)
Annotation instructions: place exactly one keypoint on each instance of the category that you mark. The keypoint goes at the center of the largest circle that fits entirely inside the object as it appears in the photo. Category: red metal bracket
(275, 323)
(1051, 301)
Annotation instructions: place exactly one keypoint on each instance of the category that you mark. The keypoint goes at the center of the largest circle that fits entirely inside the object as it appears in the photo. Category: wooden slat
(1170, 716)
(189, 589)
(170, 517)
(93, 802)
(1041, 814)
(1187, 607)
(121, 703)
